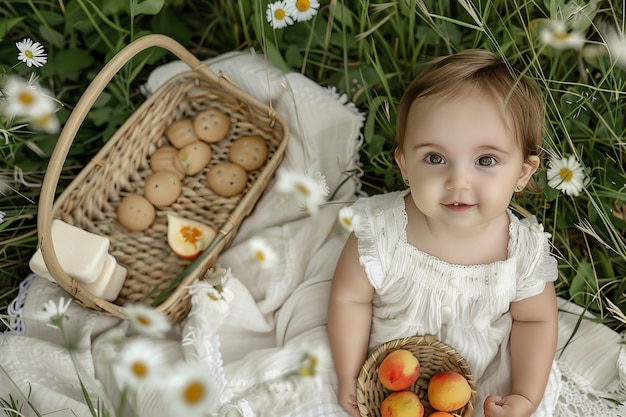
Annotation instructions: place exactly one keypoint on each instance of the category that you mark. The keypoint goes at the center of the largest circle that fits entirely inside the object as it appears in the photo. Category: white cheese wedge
(109, 283)
(81, 254)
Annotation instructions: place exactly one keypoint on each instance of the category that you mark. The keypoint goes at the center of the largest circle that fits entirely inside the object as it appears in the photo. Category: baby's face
(462, 161)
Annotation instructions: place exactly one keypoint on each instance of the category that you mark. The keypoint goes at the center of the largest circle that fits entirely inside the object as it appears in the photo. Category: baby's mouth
(458, 205)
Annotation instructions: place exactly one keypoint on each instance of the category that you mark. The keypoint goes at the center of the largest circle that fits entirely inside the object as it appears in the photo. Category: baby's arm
(533, 344)
(349, 322)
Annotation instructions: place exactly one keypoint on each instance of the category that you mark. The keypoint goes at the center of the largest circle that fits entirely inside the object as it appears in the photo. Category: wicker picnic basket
(156, 276)
(434, 356)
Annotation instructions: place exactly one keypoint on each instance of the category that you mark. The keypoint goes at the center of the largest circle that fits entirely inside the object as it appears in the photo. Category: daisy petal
(302, 10)
(277, 15)
(555, 34)
(192, 391)
(147, 320)
(32, 53)
(566, 174)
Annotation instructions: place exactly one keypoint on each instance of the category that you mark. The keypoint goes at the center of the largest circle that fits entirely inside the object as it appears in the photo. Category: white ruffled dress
(466, 306)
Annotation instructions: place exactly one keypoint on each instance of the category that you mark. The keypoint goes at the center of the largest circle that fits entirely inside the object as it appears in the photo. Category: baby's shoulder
(528, 239)
(535, 262)
(526, 229)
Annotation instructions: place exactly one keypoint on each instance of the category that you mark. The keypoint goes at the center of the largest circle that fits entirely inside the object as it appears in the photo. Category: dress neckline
(403, 221)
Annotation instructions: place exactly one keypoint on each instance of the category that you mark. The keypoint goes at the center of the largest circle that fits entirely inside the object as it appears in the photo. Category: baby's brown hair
(453, 74)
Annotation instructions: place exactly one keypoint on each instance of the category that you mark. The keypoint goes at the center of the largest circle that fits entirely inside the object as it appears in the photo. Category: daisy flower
(321, 182)
(309, 190)
(26, 98)
(47, 122)
(315, 360)
(54, 313)
(138, 363)
(192, 391)
(566, 174)
(347, 218)
(262, 253)
(32, 53)
(555, 33)
(302, 10)
(277, 15)
(211, 299)
(147, 320)
(616, 44)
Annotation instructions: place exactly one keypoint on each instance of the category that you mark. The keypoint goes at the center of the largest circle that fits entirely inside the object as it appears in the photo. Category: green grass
(369, 50)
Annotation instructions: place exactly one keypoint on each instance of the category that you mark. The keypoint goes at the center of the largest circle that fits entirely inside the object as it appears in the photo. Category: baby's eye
(434, 158)
(486, 161)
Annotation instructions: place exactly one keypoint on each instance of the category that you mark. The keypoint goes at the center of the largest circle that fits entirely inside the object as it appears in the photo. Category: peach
(398, 370)
(188, 238)
(448, 391)
(402, 404)
(440, 414)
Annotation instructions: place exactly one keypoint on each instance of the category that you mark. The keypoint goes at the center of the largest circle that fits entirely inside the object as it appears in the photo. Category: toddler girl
(447, 256)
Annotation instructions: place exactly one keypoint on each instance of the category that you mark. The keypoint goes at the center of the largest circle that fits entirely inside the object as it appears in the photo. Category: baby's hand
(514, 405)
(347, 399)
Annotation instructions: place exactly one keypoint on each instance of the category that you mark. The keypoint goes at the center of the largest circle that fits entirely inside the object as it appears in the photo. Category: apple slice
(188, 238)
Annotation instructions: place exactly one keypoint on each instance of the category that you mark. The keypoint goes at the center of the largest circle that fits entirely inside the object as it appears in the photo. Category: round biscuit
(181, 133)
(227, 179)
(211, 125)
(249, 152)
(162, 188)
(136, 213)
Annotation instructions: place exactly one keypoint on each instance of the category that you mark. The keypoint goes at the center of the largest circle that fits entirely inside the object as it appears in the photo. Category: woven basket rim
(260, 114)
(368, 371)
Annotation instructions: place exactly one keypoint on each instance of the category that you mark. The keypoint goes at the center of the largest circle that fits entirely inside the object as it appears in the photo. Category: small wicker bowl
(434, 356)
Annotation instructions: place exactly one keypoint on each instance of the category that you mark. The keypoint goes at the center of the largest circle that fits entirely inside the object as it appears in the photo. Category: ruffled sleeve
(536, 265)
(377, 233)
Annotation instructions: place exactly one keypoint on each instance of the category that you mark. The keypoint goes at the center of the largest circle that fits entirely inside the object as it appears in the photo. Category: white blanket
(274, 311)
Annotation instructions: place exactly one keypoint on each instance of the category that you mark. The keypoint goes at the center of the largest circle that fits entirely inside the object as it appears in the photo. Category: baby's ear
(399, 157)
(528, 169)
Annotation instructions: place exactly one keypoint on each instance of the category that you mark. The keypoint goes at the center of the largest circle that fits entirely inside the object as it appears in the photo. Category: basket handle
(67, 135)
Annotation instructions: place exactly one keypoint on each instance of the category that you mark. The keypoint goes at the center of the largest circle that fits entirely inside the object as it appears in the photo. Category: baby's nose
(458, 179)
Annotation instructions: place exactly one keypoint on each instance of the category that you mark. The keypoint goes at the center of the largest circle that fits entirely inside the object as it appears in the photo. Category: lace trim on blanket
(15, 309)
(343, 99)
(578, 399)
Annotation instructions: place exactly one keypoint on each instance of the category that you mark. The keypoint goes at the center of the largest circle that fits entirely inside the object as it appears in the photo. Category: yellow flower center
(566, 174)
(193, 392)
(279, 14)
(26, 98)
(43, 120)
(212, 296)
(303, 189)
(561, 36)
(347, 221)
(259, 256)
(190, 234)
(139, 369)
(303, 5)
(308, 369)
(143, 320)
(29, 54)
